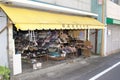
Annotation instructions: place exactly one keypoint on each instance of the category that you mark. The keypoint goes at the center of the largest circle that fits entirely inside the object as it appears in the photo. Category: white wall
(113, 35)
(113, 39)
(84, 5)
(3, 41)
(113, 10)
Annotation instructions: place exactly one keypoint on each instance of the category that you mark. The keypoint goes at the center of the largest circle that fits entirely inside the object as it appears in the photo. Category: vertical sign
(82, 35)
(17, 63)
(100, 2)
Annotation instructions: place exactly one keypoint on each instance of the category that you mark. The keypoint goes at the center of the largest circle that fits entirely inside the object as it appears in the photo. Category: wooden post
(10, 45)
(96, 40)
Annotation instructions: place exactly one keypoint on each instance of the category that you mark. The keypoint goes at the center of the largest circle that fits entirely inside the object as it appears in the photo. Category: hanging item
(32, 36)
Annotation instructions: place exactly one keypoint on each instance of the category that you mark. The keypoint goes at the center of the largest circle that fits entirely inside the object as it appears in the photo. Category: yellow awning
(31, 19)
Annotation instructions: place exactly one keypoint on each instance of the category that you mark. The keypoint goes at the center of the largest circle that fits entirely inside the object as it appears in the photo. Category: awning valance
(31, 19)
(54, 26)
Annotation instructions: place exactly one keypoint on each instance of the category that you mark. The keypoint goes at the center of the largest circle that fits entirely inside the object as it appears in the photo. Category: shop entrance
(45, 48)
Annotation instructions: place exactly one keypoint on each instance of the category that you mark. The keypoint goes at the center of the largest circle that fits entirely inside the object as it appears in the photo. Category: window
(115, 1)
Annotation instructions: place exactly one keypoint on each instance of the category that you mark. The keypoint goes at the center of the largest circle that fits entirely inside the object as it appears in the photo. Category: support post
(103, 31)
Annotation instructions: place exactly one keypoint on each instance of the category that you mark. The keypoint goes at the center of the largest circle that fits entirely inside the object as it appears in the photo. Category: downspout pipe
(50, 7)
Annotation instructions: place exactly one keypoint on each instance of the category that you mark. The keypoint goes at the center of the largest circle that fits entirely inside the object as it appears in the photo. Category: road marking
(105, 71)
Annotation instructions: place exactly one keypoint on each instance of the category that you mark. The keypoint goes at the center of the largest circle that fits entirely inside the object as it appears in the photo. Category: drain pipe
(50, 7)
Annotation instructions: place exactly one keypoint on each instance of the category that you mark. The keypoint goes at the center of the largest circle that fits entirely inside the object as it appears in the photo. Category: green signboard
(112, 21)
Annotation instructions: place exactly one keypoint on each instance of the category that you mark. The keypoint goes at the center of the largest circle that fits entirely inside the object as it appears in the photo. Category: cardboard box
(37, 65)
(87, 51)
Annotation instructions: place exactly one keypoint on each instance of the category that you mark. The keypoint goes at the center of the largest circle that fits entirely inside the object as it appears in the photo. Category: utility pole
(103, 30)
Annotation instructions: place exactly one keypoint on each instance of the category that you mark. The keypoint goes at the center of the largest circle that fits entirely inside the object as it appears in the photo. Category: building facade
(83, 25)
(113, 26)
(74, 4)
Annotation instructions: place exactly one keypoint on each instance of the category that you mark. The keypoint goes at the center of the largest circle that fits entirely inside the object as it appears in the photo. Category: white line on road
(105, 71)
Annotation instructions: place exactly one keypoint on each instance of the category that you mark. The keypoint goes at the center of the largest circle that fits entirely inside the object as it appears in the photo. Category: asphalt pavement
(112, 74)
(108, 69)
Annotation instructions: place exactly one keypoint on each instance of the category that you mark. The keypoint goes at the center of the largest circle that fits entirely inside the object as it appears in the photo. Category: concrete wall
(3, 40)
(84, 5)
(112, 10)
(113, 39)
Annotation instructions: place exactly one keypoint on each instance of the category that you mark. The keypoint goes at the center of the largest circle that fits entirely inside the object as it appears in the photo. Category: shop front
(112, 38)
(39, 37)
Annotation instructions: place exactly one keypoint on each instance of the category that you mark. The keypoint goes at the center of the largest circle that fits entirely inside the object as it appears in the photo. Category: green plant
(4, 71)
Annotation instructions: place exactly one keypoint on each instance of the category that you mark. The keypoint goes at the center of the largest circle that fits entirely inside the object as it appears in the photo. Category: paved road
(108, 70)
(97, 66)
(113, 74)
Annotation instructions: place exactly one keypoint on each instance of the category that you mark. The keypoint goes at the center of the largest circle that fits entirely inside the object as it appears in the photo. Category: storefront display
(50, 44)
(43, 38)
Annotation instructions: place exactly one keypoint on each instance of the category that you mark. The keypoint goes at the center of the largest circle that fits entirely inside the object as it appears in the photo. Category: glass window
(115, 1)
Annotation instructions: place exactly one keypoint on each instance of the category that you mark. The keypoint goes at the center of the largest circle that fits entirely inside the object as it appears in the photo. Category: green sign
(112, 21)
(116, 21)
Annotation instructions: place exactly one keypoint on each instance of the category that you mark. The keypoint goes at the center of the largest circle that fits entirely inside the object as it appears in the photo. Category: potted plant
(5, 72)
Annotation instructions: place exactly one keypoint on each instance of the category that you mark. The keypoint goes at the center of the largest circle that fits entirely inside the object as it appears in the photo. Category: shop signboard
(17, 67)
(109, 32)
(116, 21)
(99, 2)
(112, 21)
(82, 35)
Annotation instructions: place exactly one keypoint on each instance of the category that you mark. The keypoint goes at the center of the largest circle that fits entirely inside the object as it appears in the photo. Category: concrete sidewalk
(57, 70)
